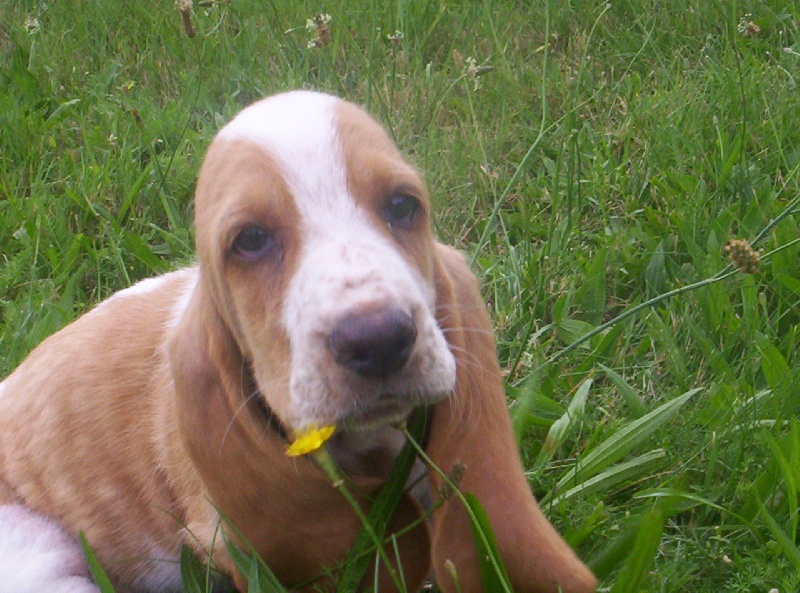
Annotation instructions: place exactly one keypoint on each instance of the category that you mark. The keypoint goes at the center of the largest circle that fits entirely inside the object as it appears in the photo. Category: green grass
(606, 158)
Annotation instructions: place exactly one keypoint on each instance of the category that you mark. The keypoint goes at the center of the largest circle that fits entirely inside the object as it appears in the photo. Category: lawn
(624, 177)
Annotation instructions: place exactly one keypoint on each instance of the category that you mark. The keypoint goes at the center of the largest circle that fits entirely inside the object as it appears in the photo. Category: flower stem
(470, 513)
(338, 479)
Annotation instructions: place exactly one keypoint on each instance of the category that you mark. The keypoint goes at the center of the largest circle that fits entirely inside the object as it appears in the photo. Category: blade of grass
(628, 393)
(645, 547)
(562, 428)
(192, 571)
(482, 536)
(494, 579)
(616, 474)
(785, 542)
(95, 569)
(260, 578)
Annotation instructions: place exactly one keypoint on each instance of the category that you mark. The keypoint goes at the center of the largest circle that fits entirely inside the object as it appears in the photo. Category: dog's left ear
(473, 428)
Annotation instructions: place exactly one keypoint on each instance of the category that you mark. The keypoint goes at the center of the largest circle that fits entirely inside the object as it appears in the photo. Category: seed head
(319, 24)
(747, 27)
(185, 8)
(746, 259)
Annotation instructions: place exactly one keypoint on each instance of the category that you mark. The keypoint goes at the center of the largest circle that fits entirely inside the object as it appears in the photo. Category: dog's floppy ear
(473, 428)
(207, 369)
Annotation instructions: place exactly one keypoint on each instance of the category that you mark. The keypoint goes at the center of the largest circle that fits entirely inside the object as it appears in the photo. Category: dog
(319, 298)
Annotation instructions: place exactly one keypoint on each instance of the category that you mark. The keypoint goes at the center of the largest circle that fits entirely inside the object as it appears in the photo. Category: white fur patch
(297, 129)
(145, 286)
(179, 308)
(37, 556)
(156, 284)
(163, 572)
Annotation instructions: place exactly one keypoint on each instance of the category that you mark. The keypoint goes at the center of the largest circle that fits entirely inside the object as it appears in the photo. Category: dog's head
(314, 240)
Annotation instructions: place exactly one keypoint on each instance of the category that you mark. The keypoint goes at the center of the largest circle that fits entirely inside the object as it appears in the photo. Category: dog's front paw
(37, 556)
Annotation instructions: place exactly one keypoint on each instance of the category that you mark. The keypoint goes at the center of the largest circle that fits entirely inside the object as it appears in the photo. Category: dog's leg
(37, 556)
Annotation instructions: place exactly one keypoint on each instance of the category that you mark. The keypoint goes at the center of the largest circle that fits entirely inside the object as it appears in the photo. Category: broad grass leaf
(785, 454)
(493, 574)
(591, 295)
(60, 112)
(571, 330)
(793, 284)
(95, 569)
(655, 274)
(784, 262)
(616, 551)
(681, 501)
(533, 406)
(606, 342)
(621, 443)
(635, 403)
(135, 246)
(626, 471)
(562, 428)
(576, 534)
(667, 343)
(785, 541)
(133, 194)
(773, 365)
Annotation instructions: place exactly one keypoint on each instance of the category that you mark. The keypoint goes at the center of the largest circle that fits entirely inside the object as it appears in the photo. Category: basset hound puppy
(320, 297)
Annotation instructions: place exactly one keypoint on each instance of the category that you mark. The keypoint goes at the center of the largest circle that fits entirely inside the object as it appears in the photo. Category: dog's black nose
(374, 342)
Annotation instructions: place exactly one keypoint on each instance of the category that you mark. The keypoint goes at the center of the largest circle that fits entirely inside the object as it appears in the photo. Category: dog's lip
(381, 412)
(386, 409)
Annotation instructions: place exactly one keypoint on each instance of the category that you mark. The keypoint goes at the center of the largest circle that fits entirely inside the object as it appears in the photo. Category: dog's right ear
(221, 451)
(472, 430)
(206, 369)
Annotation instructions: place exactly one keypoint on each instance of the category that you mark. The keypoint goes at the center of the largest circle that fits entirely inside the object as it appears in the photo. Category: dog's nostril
(373, 343)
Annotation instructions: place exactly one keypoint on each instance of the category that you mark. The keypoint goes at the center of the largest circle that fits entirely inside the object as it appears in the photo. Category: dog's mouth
(384, 410)
(382, 413)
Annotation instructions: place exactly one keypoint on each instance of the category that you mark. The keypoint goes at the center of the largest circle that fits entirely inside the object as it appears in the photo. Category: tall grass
(590, 157)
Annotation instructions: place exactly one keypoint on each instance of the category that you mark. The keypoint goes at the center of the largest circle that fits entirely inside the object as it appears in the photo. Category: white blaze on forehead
(299, 131)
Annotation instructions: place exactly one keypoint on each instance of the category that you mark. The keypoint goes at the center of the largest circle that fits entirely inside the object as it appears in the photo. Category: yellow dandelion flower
(309, 440)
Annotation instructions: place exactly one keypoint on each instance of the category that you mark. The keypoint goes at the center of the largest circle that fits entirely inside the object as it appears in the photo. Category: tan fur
(137, 430)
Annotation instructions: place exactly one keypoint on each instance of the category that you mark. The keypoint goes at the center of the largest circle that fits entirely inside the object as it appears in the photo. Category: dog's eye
(253, 242)
(401, 210)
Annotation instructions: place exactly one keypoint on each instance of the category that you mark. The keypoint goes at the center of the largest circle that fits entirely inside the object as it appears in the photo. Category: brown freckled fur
(135, 433)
